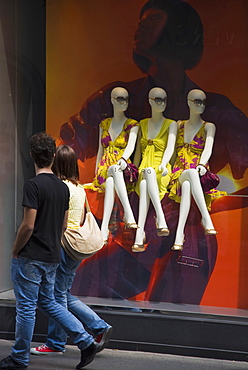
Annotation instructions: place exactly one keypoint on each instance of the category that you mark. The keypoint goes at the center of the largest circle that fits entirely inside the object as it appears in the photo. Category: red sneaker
(103, 339)
(44, 350)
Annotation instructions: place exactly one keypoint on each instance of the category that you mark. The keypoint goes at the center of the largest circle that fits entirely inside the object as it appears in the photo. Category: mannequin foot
(139, 247)
(162, 231)
(178, 246)
(105, 237)
(130, 225)
(105, 241)
(210, 231)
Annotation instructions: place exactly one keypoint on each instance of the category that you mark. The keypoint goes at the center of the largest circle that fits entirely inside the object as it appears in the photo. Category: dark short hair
(65, 164)
(182, 35)
(42, 149)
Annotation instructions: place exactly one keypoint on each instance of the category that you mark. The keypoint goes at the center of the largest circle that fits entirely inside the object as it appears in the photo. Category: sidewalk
(110, 359)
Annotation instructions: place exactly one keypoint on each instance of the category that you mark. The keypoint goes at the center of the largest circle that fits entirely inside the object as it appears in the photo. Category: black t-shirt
(50, 197)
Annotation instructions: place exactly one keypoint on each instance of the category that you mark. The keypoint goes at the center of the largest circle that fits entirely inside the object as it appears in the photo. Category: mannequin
(157, 142)
(117, 138)
(194, 148)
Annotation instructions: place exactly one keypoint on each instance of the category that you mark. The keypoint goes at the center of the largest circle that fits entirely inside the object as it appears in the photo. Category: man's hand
(25, 230)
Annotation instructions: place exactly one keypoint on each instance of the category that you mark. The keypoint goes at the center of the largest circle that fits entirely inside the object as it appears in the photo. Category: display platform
(179, 329)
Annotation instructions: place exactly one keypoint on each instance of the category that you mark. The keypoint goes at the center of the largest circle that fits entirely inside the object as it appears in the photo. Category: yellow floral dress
(152, 152)
(112, 151)
(188, 156)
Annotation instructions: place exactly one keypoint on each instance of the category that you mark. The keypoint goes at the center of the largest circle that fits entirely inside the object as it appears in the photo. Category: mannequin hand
(201, 170)
(122, 163)
(163, 169)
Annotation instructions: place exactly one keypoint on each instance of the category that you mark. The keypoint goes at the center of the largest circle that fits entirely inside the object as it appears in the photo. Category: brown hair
(65, 164)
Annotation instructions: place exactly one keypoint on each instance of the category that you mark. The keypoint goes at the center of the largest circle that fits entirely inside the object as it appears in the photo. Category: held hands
(201, 169)
(122, 163)
(163, 169)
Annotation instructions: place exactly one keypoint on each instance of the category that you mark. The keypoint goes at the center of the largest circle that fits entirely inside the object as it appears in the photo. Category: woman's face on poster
(149, 30)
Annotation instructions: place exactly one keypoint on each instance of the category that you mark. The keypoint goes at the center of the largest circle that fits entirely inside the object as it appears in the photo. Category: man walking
(36, 255)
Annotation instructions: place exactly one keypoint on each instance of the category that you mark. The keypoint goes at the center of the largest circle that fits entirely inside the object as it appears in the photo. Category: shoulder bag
(130, 173)
(209, 180)
(85, 241)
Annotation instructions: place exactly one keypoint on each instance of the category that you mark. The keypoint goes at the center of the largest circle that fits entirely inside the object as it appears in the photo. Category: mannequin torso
(191, 129)
(155, 124)
(117, 124)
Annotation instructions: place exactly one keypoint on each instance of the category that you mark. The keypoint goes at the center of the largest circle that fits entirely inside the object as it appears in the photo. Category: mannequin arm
(170, 147)
(137, 154)
(207, 151)
(131, 142)
(100, 150)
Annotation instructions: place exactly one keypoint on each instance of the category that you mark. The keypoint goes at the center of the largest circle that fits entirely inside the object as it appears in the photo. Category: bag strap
(87, 204)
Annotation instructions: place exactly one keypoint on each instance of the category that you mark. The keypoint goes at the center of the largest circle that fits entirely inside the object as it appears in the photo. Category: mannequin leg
(121, 191)
(193, 177)
(183, 215)
(108, 207)
(153, 191)
(144, 202)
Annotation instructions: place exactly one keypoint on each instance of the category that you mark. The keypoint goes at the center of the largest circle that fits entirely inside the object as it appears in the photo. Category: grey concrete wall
(22, 111)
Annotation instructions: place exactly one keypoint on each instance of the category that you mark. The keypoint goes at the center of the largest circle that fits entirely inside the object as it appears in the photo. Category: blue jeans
(34, 285)
(56, 337)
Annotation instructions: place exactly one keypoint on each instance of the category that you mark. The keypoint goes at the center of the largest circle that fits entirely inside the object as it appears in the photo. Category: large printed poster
(92, 47)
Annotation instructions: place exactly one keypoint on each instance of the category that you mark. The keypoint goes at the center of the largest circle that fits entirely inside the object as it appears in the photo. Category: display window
(180, 66)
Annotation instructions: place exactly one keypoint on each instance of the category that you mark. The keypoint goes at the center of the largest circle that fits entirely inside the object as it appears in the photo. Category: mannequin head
(157, 99)
(196, 101)
(119, 99)
(175, 30)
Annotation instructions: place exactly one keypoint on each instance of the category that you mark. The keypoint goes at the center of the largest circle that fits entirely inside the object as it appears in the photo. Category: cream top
(76, 204)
